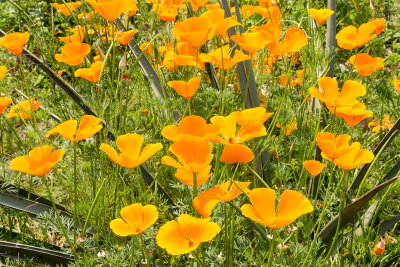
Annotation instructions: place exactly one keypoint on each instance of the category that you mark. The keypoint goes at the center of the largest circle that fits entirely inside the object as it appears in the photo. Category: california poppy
(196, 4)
(351, 37)
(333, 98)
(73, 53)
(365, 64)
(191, 125)
(396, 84)
(78, 35)
(379, 248)
(194, 156)
(354, 158)
(353, 115)
(23, 109)
(206, 201)
(294, 40)
(125, 37)
(186, 89)
(4, 103)
(272, 13)
(88, 126)
(111, 9)
(217, 16)
(91, 74)
(343, 154)
(135, 219)
(130, 146)
(15, 42)
(196, 31)
(187, 56)
(167, 10)
(314, 167)
(39, 161)
(251, 42)
(224, 61)
(333, 147)
(236, 153)
(3, 71)
(320, 15)
(66, 11)
(186, 234)
(292, 204)
(384, 125)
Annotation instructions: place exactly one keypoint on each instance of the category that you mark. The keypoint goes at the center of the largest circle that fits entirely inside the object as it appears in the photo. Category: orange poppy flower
(194, 126)
(196, 4)
(334, 147)
(351, 37)
(217, 16)
(251, 42)
(135, 219)
(111, 9)
(73, 53)
(196, 31)
(78, 35)
(66, 8)
(379, 248)
(186, 234)
(206, 201)
(294, 40)
(3, 71)
(273, 14)
(130, 146)
(125, 37)
(378, 25)
(353, 115)
(314, 167)
(236, 153)
(194, 156)
(385, 125)
(224, 61)
(187, 56)
(292, 204)
(396, 84)
(354, 158)
(88, 126)
(4, 103)
(149, 48)
(288, 129)
(186, 89)
(167, 10)
(15, 42)
(333, 98)
(39, 161)
(365, 64)
(320, 15)
(251, 121)
(267, 3)
(91, 74)
(23, 109)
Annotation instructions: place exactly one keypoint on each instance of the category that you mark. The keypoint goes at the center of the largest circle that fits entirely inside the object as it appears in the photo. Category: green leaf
(326, 235)
(25, 252)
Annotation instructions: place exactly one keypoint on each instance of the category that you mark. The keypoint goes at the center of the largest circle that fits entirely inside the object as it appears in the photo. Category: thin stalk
(194, 185)
(198, 259)
(57, 215)
(143, 245)
(92, 208)
(75, 190)
(226, 235)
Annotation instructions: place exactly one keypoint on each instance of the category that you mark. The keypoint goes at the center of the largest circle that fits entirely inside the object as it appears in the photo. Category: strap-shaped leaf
(360, 176)
(21, 251)
(385, 226)
(326, 235)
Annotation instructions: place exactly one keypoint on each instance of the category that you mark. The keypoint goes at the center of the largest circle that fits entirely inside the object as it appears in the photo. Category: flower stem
(198, 259)
(75, 197)
(143, 245)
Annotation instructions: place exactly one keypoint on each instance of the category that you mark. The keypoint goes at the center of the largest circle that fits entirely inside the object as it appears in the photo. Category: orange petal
(236, 153)
(292, 205)
(314, 167)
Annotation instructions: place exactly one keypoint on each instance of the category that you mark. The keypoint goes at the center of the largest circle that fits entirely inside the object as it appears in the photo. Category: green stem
(92, 208)
(194, 185)
(143, 245)
(75, 190)
(198, 259)
(57, 215)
